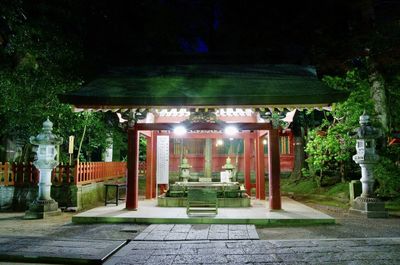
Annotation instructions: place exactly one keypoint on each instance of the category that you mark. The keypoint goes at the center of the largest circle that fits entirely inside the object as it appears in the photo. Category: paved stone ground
(171, 232)
(68, 251)
(326, 244)
(347, 226)
(344, 251)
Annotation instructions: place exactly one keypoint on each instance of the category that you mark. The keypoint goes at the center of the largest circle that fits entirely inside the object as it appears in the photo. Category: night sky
(327, 33)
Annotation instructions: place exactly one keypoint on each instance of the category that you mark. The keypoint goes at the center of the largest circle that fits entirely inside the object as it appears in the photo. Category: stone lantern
(228, 169)
(366, 157)
(185, 170)
(44, 205)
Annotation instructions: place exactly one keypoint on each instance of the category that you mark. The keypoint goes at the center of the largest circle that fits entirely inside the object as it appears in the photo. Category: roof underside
(205, 86)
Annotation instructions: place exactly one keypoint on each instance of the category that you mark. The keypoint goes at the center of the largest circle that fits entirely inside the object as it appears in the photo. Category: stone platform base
(370, 207)
(222, 202)
(40, 209)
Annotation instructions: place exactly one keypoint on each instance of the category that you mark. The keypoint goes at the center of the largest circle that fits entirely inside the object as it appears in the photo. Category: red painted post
(261, 168)
(274, 170)
(154, 164)
(257, 169)
(247, 154)
(149, 158)
(132, 184)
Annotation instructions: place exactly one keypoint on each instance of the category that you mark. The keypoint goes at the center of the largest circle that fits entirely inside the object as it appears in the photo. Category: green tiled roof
(205, 85)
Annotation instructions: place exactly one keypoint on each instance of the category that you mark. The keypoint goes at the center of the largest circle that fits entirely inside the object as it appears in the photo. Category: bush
(387, 173)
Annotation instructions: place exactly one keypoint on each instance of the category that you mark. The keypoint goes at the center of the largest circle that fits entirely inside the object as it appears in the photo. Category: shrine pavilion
(205, 119)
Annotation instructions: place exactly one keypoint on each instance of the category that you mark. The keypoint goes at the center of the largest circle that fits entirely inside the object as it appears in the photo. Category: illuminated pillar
(247, 154)
(132, 185)
(149, 160)
(274, 170)
(257, 162)
(261, 168)
(154, 165)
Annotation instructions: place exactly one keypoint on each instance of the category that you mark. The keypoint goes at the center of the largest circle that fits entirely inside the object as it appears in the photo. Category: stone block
(6, 197)
(369, 207)
(42, 209)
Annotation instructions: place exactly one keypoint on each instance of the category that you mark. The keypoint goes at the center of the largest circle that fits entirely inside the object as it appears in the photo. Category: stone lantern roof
(46, 136)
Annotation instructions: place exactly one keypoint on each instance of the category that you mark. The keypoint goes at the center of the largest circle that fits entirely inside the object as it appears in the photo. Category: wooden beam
(213, 135)
(203, 126)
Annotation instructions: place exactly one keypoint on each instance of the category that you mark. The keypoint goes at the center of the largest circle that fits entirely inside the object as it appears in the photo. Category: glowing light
(220, 142)
(265, 141)
(180, 130)
(231, 130)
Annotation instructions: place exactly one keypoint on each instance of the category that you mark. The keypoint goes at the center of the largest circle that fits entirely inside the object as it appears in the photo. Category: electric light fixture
(231, 130)
(180, 130)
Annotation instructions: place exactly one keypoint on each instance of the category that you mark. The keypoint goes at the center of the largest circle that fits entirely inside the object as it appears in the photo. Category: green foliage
(330, 146)
(393, 97)
(39, 61)
(387, 172)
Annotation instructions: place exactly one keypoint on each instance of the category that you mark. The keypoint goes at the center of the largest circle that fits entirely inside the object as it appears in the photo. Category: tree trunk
(342, 172)
(80, 143)
(378, 95)
(299, 157)
(299, 145)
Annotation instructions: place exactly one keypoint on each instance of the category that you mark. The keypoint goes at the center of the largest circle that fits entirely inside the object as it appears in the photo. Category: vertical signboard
(162, 159)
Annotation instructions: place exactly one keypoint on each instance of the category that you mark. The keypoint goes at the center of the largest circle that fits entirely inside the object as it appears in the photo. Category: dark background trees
(50, 47)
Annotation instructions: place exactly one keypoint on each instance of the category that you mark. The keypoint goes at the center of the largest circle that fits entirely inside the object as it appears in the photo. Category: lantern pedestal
(40, 209)
(369, 207)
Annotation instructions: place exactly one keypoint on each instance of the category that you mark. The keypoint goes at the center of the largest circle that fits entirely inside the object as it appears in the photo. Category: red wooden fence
(13, 174)
(98, 171)
(6, 175)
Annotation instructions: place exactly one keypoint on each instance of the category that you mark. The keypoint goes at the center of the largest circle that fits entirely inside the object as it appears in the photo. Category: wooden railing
(98, 171)
(62, 174)
(6, 175)
(13, 174)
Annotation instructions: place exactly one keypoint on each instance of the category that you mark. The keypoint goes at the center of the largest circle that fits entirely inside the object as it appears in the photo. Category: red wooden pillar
(149, 163)
(247, 171)
(274, 170)
(154, 164)
(132, 185)
(261, 168)
(257, 162)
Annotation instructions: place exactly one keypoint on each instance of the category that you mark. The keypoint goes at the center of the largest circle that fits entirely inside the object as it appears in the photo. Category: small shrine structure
(190, 113)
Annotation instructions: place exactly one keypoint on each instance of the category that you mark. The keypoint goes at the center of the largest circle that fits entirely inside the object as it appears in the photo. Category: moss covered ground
(336, 195)
(307, 190)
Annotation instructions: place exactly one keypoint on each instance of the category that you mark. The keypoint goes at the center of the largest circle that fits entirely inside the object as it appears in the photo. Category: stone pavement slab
(312, 252)
(66, 251)
(178, 232)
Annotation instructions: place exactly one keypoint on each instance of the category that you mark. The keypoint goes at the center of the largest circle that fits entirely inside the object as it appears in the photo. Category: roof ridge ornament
(203, 116)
